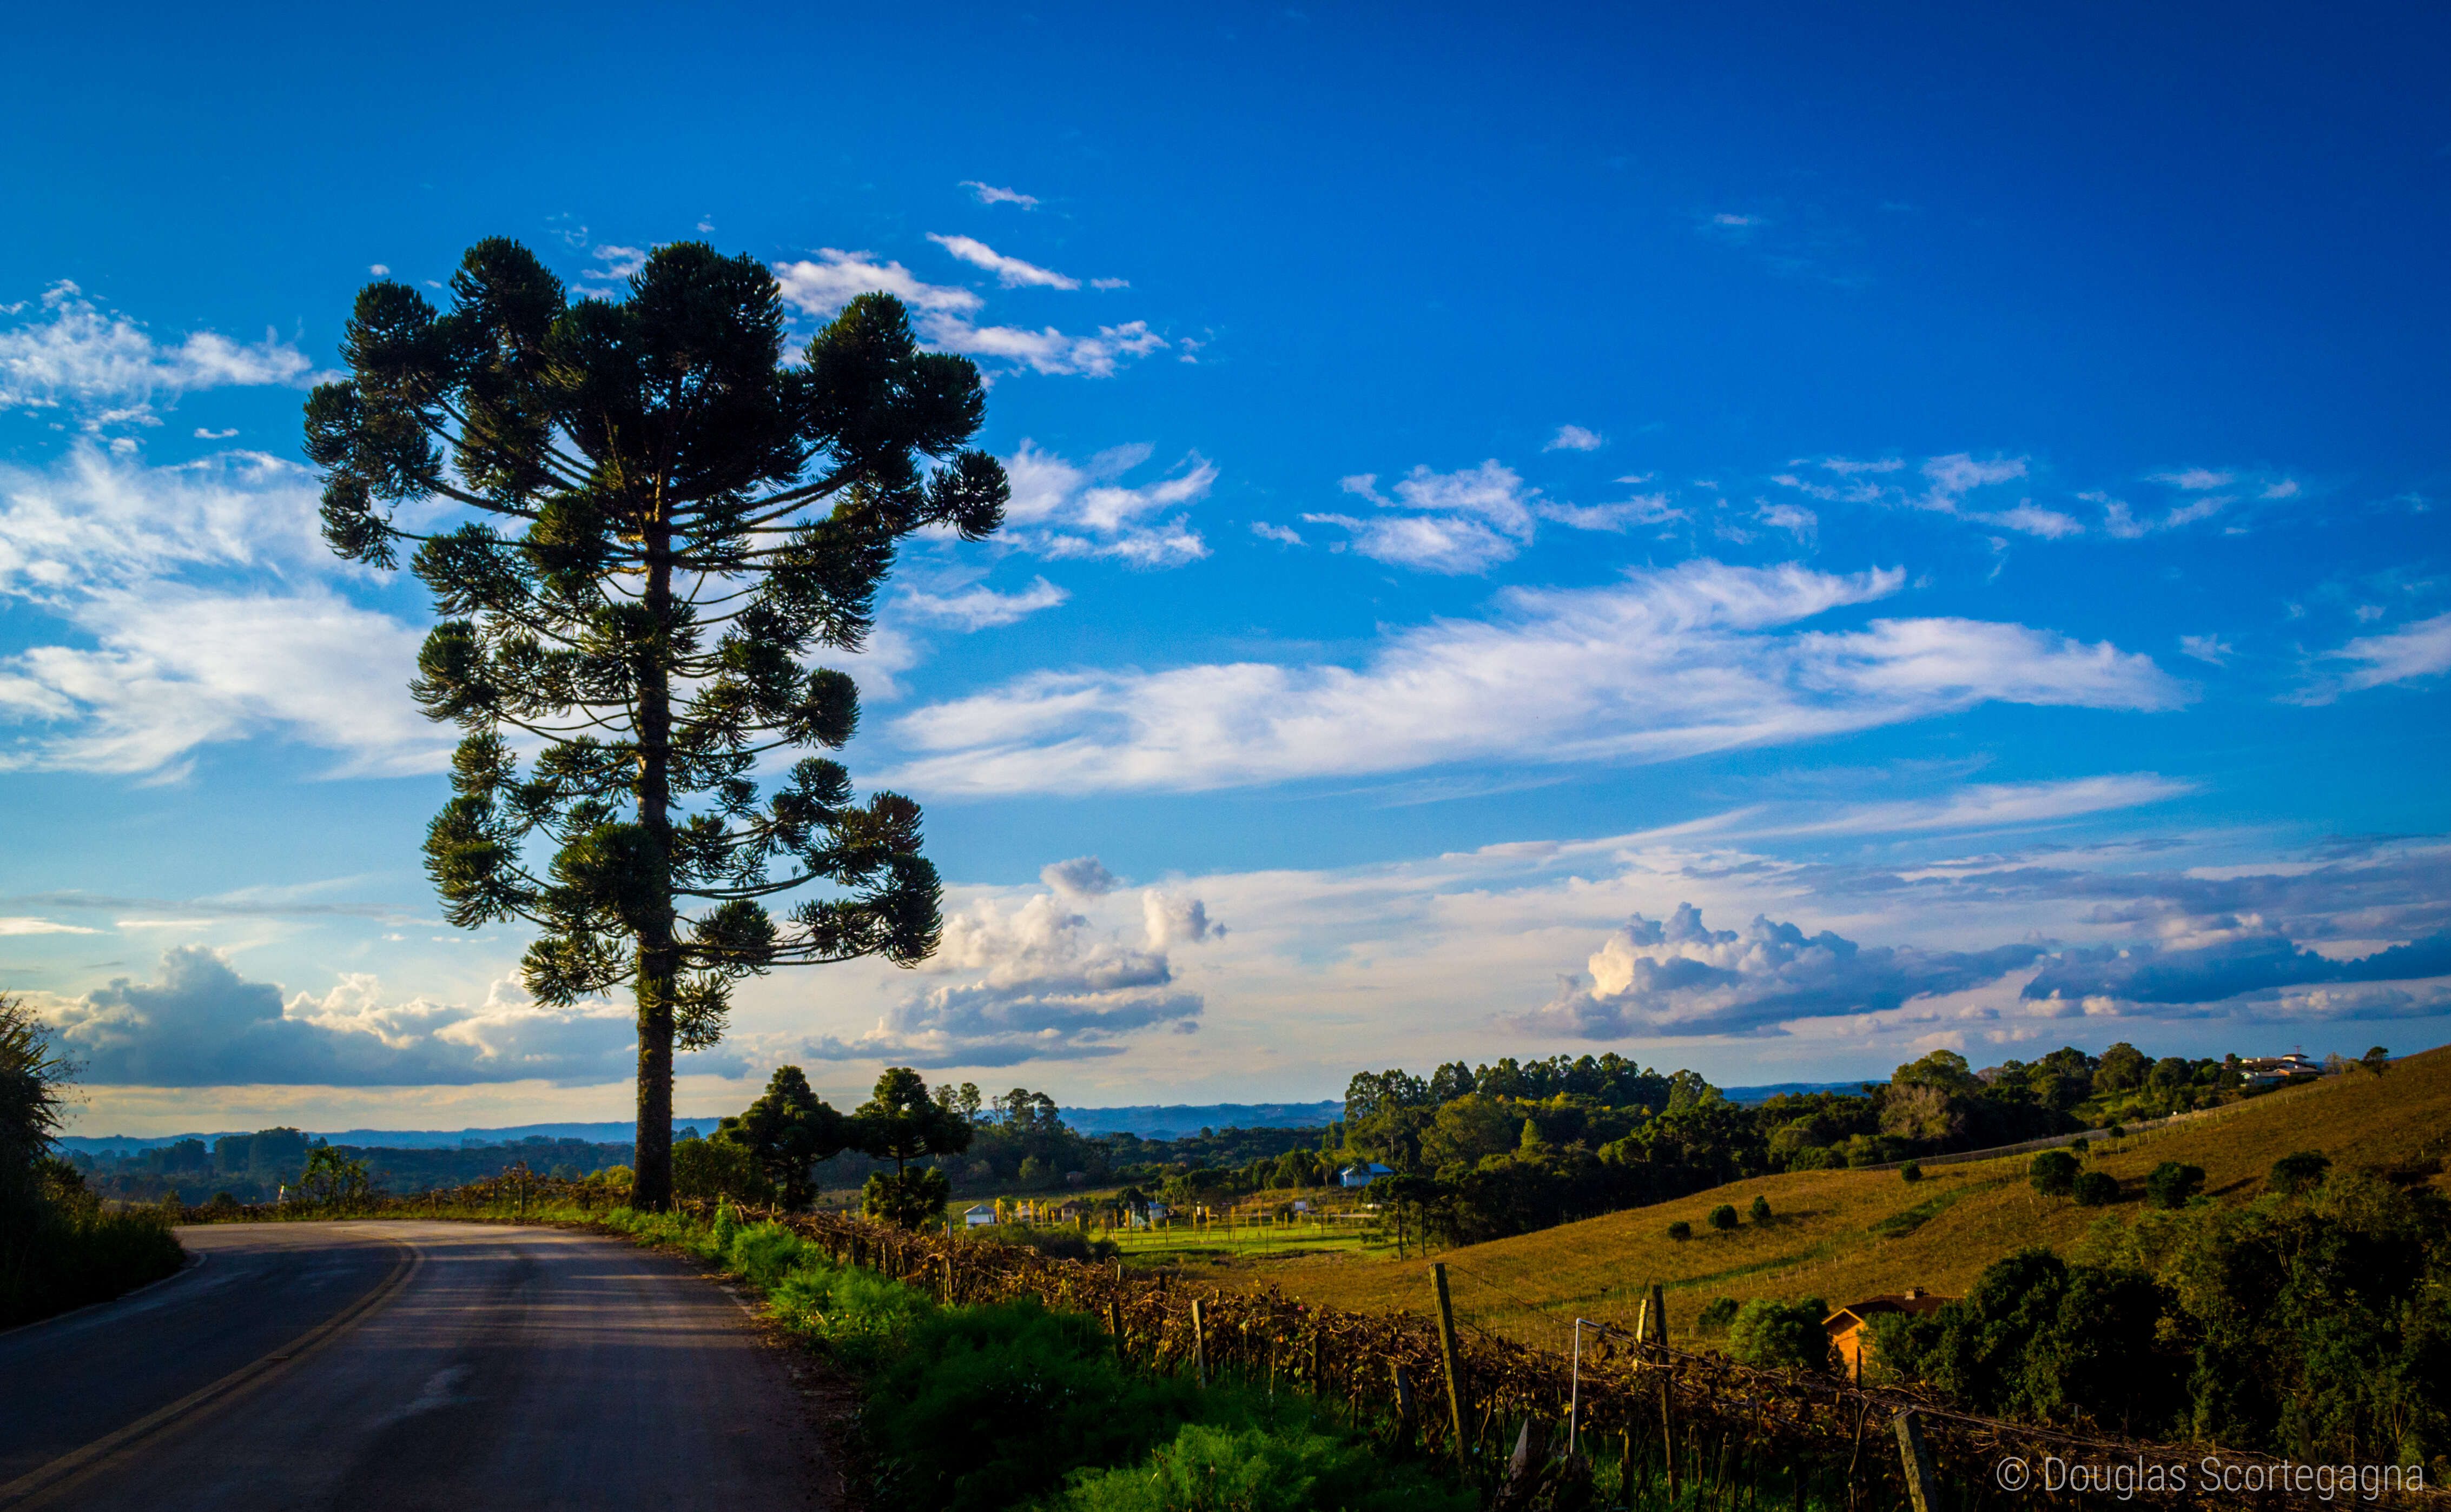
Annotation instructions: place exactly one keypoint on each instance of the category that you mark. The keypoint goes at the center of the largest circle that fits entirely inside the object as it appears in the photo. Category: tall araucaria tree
(669, 522)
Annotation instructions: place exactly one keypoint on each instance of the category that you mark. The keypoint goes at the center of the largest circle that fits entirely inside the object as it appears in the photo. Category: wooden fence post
(1200, 1346)
(1655, 1308)
(1922, 1485)
(1115, 1325)
(1448, 1354)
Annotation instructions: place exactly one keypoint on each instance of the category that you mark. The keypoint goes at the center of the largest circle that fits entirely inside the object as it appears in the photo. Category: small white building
(1363, 1172)
(980, 1215)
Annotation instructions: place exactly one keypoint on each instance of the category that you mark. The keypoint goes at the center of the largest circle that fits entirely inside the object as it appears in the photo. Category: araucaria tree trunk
(657, 523)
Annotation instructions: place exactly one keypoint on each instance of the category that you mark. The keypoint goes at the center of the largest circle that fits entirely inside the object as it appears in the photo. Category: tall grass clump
(58, 1248)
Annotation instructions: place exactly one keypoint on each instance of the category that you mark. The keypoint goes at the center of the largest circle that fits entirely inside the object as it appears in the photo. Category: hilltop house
(2276, 1071)
(1846, 1327)
(979, 1216)
(1363, 1172)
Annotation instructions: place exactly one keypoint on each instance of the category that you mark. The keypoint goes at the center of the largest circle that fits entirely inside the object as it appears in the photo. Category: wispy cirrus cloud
(990, 194)
(1664, 665)
(1574, 438)
(821, 286)
(979, 608)
(1061, 508)
(109, 371)
(1472, 520)
(1012, 272)
(2409, 654)
(1954, 485)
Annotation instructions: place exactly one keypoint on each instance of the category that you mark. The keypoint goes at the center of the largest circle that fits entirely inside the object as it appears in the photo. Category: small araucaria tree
(668, 521)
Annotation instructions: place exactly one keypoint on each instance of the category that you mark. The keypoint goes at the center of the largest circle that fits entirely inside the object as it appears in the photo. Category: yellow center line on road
(40, 1486)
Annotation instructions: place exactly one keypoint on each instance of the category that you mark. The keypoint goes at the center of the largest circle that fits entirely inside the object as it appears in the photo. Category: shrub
(1779, 1335)
(2095, 1189)
(2297, 1173)
(1257, 1470)
(1680, 1229)
(1717, 1314)
(2171, 1184)
(718, 1168)
(1723, 1217)
(1911, 1173)
(1761, 1210)
(2053, 1173)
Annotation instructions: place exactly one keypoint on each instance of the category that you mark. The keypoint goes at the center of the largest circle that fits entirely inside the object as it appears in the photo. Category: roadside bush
(711, 1170)
(1911, 1173)
(2171, 1184)
(1256, 1470)
(1723, 1217)
(1717, 1314)
(1061, 1244)
(2053, 1173)
(1780, 1335)
(2095, 1189)
(1680, 1229)
(1761, 1210)
(2298, 1172)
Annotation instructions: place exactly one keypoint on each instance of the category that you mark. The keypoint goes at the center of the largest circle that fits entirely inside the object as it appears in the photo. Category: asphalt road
(369, 1367)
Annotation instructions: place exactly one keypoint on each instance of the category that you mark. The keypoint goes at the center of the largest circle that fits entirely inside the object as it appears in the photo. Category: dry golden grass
(1825, 1237)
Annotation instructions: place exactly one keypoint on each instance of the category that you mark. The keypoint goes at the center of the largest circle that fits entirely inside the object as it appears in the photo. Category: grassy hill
(1842, 1235)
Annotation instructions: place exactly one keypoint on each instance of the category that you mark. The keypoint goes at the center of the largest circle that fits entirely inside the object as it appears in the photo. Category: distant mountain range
(1148, 1120)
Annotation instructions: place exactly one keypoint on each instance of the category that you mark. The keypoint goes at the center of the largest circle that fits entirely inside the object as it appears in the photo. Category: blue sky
(1768, 539)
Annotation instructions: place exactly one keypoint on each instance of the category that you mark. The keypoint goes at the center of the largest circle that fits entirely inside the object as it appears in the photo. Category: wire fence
(1660, 1424)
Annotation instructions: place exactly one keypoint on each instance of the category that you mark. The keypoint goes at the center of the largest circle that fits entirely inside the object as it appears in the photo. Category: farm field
(1842, 1235)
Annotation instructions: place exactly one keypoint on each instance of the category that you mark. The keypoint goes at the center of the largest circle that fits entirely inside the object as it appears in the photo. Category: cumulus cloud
(1661, 666)
(1061, 508)
(1012, 272)
(1081, 876)
(981, 608)
(203, 1025)
(1574, 438)
(77, 357)
(1677, 976)
(2221, 959)
(1039, 981)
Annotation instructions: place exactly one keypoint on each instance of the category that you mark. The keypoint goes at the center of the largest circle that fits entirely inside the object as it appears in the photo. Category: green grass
(1843, 1235)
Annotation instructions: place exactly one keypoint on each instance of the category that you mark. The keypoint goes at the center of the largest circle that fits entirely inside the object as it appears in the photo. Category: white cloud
(620, 263)
(981, 608)
(2404, 656)
(1976, 806)
(168, 664)
(378, 270)
(107, 367)
(2194, 479)
(2207, 648)
(1949, 484)
(1081, 876)
(1117, 283)
(1061, 508)
(203, 1025)
(1009, 271)
(41, 926)
(1574, 438)
(1666, 665)
(1040, 982)
(1465, 521)
(1048, 350)
(1283, 535)
(1794, 519)
(990, 194)
(823, 287)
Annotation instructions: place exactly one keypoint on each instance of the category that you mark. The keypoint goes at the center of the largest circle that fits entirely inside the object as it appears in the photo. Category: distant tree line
(255, 1168)
(1484, 1151)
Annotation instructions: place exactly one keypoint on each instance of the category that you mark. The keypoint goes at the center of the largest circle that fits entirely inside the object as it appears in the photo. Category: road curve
(368, 1366)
